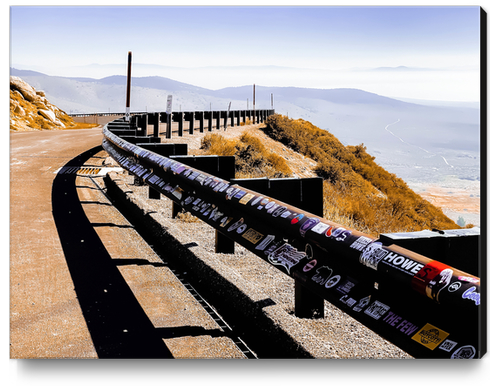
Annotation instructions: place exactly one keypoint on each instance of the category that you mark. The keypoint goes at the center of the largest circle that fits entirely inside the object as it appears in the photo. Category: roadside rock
(23, 88)
(30, 110)
(48, 114)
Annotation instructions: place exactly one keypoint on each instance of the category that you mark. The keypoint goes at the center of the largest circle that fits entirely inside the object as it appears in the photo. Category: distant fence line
(180, 117)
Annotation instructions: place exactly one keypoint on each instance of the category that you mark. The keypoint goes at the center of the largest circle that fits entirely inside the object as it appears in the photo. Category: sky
(320, 45)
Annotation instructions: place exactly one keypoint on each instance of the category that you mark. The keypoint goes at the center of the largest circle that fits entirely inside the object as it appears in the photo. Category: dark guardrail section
(422, 304)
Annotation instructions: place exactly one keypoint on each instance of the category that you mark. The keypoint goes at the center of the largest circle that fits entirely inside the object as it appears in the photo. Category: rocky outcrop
(30, 110)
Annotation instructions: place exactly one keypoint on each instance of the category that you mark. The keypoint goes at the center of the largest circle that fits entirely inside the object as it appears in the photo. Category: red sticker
(309, 266)
(421, 280)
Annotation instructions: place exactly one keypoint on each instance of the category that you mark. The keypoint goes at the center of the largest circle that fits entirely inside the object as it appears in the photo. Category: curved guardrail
(427, 308)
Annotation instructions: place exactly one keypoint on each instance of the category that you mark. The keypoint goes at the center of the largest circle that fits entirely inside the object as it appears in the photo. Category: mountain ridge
(425, 145)
(336, 95)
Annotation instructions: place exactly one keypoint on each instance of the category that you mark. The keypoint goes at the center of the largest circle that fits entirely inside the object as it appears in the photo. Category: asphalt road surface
(45, 319)
(83, 283)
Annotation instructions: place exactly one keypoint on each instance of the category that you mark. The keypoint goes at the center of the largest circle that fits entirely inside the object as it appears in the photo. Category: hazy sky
(52, 39)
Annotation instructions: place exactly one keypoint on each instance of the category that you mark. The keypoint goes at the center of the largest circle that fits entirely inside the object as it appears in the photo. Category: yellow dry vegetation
(357, 191)
(252, 159)
(27, 115)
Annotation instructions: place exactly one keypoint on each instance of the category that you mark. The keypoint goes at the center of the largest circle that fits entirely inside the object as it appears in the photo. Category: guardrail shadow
(117, 324)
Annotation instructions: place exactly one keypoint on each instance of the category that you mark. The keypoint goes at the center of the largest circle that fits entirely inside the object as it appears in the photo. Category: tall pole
(272, 101)
(128, 86)
(254, 105)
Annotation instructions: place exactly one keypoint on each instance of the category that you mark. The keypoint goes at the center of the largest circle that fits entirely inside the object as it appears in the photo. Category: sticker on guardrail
(430, 336)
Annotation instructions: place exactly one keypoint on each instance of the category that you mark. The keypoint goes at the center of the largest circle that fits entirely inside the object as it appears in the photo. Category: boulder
(48, 114)
(31, 110)
(24, 88)
(18, 110)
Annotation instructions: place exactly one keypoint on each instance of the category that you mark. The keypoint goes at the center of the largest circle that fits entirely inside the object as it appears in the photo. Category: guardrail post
(232, 118)
(153, 194)
(217, 115)
(155, 120)
(179, 118)
(222, 243)
(189, 116)
(307, 304)
(168, 127)
(134, 122)
(210, 121)
(225, 117)
(304, 193)
(143, 124)
(200, 117)
(222, 167)
(238, 113)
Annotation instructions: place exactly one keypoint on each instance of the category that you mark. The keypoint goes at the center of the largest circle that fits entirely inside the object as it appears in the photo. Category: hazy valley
(434, 148)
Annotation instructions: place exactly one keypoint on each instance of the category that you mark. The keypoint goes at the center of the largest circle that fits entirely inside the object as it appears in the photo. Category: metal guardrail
(425, 307)
(97, 114)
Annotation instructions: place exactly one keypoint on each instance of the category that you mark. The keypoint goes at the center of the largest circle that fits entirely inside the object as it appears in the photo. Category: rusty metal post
(128, 87)
(254, 106)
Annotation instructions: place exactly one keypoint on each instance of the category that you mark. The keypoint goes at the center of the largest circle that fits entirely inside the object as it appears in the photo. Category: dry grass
(252, 159)
(25, 116)
(356, 189)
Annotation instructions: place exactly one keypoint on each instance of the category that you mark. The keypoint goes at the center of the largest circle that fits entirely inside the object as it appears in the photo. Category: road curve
(83, 283)
(45, 318)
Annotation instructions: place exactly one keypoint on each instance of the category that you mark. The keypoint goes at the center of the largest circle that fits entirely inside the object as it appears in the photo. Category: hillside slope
(31, 110)
(358, 193)
(376, 200)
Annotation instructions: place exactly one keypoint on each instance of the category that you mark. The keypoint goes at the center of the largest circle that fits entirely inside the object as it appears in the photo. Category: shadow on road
(118, 325)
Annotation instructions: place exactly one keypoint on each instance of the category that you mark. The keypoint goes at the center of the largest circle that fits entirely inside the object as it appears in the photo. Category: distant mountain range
(423, 142)
(400, 134)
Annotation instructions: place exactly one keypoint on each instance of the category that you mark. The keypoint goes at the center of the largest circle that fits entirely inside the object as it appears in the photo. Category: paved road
(45, 320)
(83, 284)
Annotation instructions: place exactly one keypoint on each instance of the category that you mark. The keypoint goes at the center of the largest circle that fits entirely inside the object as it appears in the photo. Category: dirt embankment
(300, 165)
